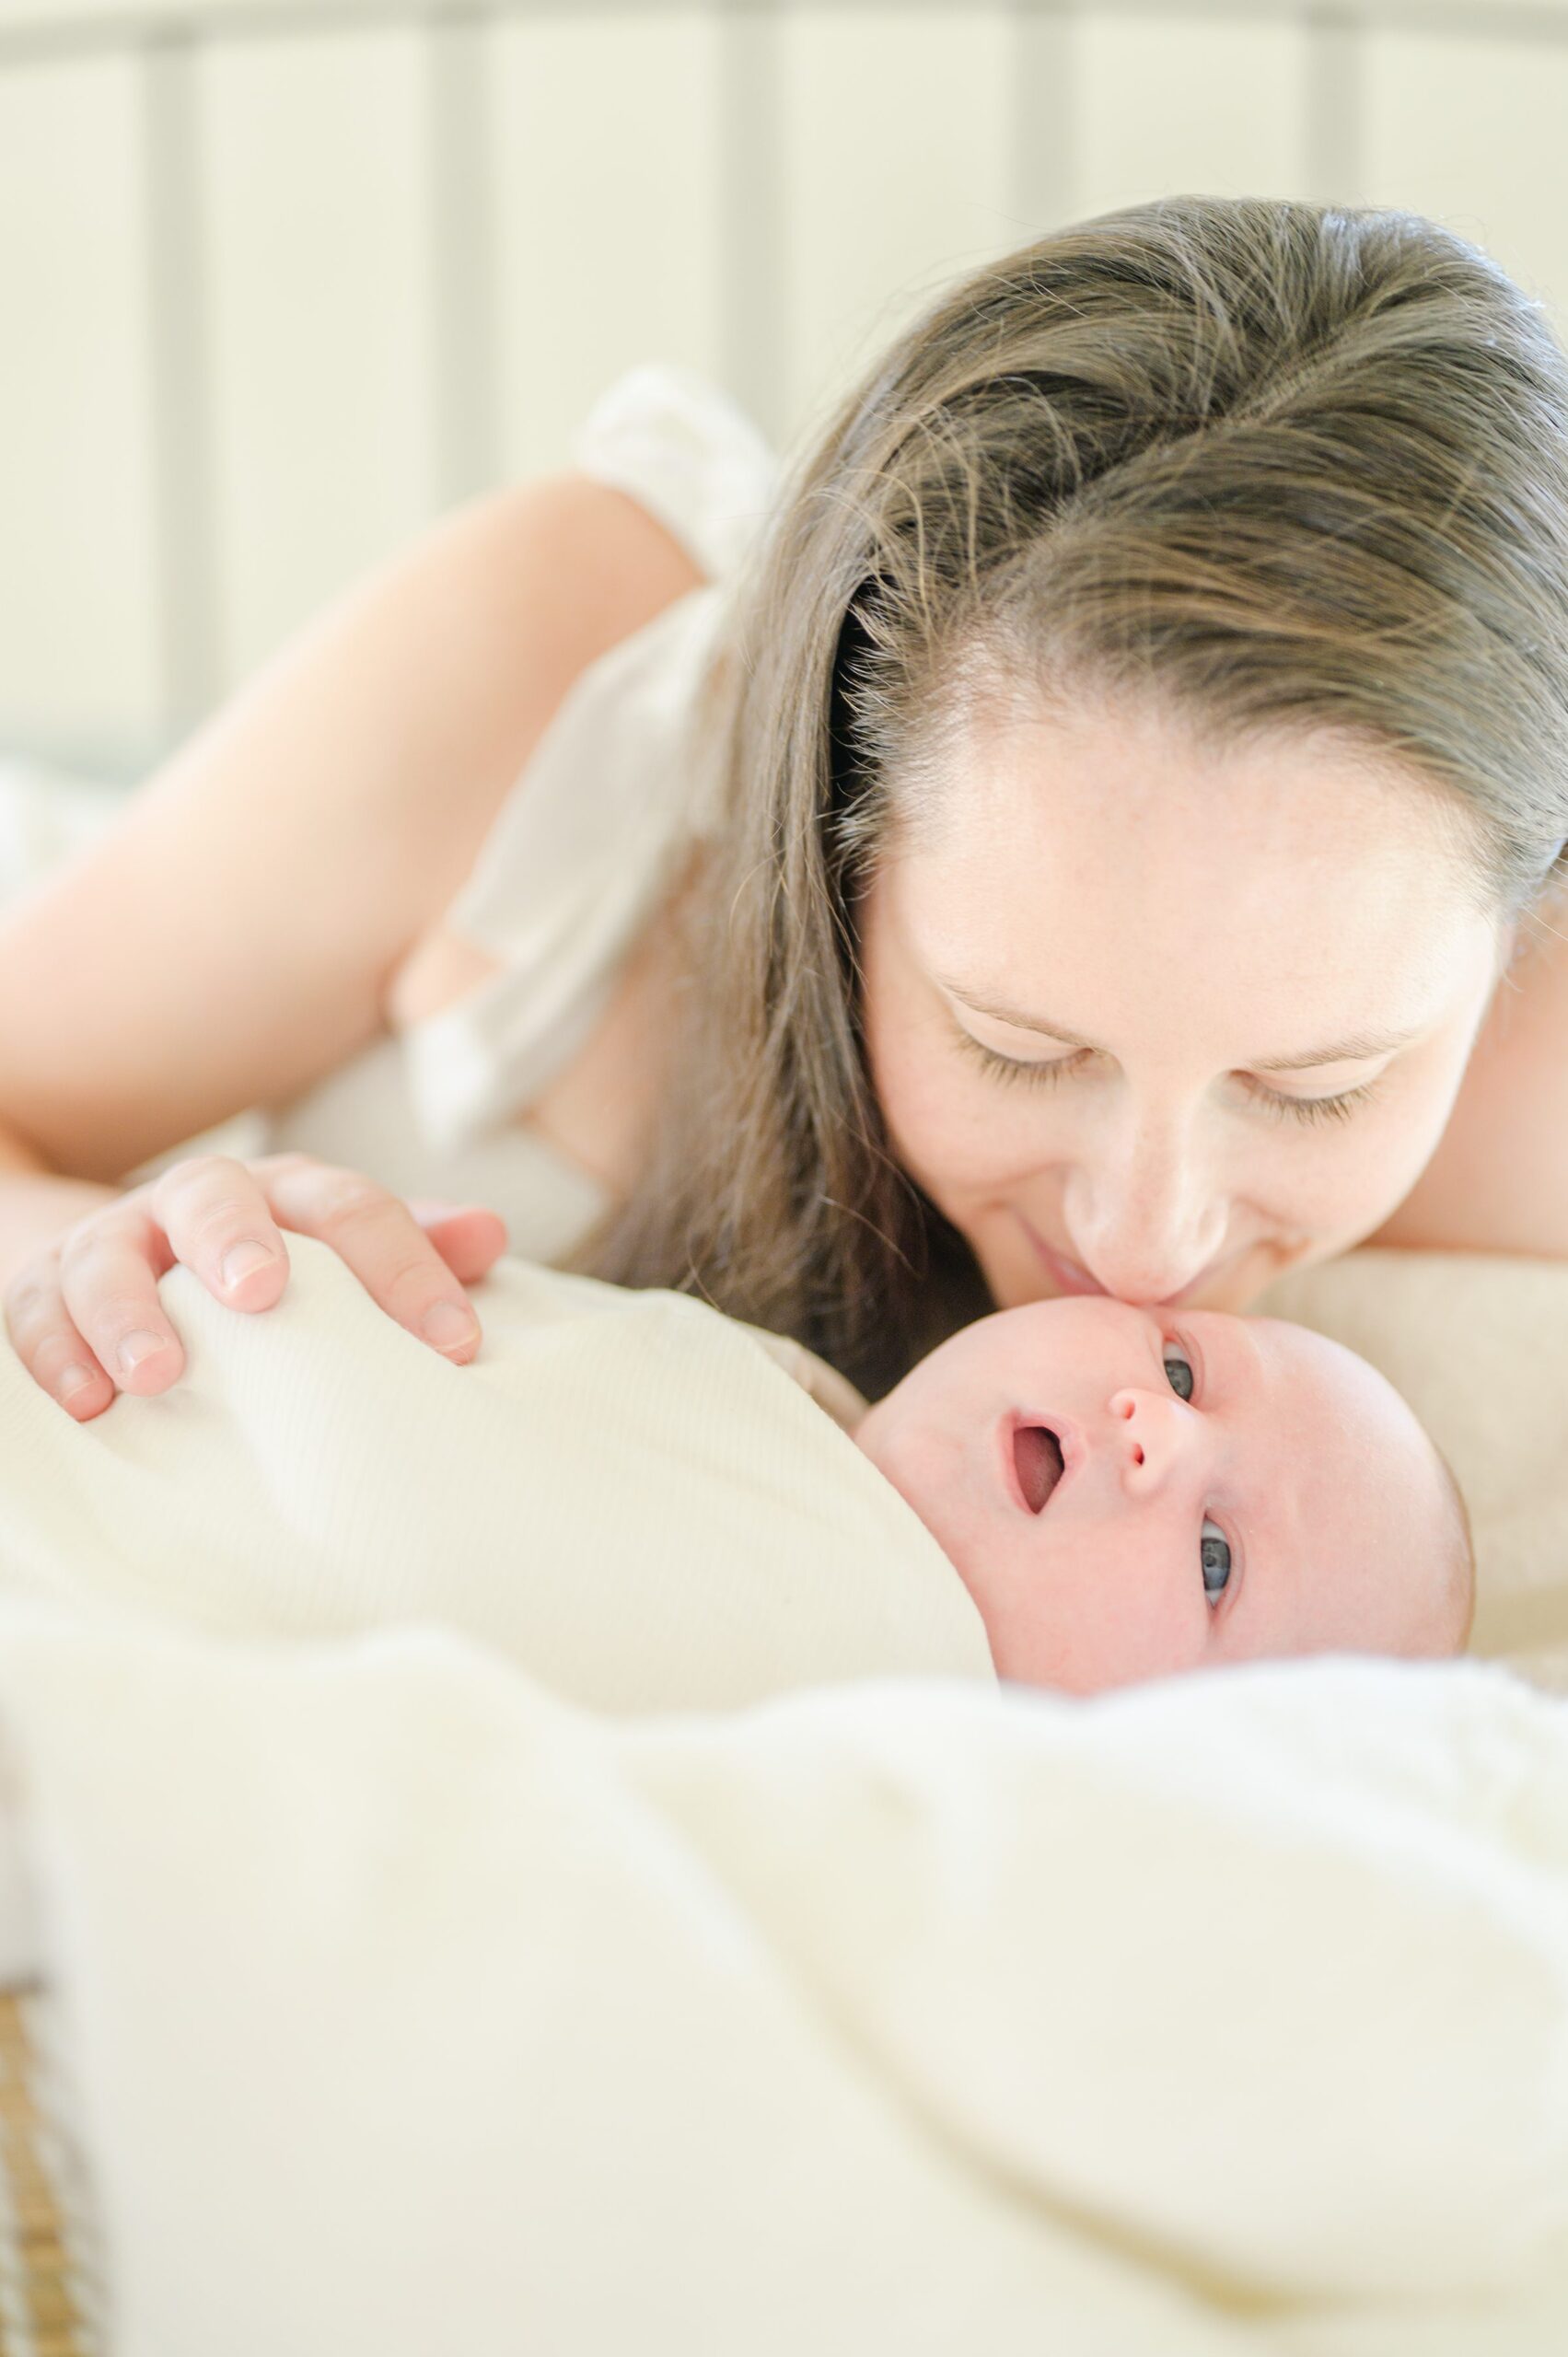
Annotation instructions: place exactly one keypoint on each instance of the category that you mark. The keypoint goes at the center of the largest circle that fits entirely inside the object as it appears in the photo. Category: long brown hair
(1285, 463)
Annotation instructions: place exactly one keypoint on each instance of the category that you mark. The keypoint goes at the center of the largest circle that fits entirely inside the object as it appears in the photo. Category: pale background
(281, 280)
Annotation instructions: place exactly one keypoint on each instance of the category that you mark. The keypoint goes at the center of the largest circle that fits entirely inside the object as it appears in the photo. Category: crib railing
(279, 281)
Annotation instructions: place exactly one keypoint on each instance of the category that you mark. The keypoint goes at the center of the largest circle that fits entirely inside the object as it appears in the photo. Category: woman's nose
(1154, 1434)
(1145, 1224)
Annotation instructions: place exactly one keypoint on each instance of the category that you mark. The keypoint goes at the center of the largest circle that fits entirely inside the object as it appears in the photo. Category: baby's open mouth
(1037, 1453)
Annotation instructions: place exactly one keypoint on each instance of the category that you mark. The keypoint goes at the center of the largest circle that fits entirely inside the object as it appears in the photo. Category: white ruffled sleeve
(597, 826)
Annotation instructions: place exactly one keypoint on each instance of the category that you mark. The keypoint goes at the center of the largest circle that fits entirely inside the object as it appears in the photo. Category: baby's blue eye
(1214, 1548)
(1178, 1372)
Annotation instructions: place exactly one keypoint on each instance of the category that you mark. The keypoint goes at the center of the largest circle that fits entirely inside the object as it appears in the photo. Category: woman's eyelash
(1278, 1107)
(1310, 1108)
(1011, 1068)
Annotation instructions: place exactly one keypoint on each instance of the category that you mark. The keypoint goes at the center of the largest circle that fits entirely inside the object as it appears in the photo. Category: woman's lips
(1067, 1276)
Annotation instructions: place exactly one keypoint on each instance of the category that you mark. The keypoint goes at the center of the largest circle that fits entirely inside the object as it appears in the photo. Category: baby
(1125, 1495)
(636, 1499)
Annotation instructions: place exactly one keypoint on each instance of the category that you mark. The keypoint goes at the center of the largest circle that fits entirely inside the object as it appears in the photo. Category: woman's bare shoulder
(1498, 1181)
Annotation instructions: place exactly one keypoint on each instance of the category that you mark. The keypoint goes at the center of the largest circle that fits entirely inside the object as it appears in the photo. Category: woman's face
(1153, 1020)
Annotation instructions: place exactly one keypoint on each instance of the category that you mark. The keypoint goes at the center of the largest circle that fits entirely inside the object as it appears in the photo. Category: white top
(593, 832)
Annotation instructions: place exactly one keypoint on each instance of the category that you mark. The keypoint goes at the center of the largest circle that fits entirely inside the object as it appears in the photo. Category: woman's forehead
(1075, 783)
(1088, 881)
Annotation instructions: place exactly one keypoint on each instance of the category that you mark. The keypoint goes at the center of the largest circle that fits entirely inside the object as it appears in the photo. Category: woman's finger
(377, 1236)
(110, 1266)
(208, 1212)
(219, 1223)
(469, 1239)
(51, 1347)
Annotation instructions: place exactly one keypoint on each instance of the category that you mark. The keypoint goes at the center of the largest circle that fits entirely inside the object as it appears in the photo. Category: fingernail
(240, 1258)
(76, 1378)
(136, 1347)
(447, 1326)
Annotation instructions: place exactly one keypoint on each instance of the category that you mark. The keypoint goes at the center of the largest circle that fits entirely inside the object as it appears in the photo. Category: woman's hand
(85, 1317)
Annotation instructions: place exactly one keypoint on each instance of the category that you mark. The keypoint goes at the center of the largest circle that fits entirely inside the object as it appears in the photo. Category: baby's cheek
(1114, 1607)
(899, 1438)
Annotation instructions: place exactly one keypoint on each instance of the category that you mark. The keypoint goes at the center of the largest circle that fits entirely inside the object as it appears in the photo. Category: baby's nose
(1152, 1433)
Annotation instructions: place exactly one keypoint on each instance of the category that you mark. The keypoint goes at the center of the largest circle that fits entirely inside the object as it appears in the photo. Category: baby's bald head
(1453, 1602)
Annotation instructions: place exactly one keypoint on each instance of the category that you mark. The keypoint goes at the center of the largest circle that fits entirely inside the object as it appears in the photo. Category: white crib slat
(605, 143)
(896, 176)
(79, 631)
(1202, 105)
(1471, 130)
(319, 289)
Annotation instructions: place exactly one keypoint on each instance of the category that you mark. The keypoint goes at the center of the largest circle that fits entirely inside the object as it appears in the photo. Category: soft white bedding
(46, 817)
(413, 2008)
(414, 2012)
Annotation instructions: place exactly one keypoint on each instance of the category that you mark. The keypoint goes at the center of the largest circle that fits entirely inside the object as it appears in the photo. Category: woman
(1086, 847)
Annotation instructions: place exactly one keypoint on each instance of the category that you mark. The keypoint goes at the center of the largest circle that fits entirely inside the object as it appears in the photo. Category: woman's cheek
(955, 1131)
(914, 1093)
(1363, 1171)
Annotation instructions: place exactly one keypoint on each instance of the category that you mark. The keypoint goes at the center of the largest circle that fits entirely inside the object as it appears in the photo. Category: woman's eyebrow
(980, 1004)
(1357, 1046)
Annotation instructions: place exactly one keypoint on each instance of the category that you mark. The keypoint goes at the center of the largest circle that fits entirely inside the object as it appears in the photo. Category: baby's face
(1129, 1493)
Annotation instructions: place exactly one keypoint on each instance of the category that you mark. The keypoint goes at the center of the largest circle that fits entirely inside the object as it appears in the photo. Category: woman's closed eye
(1280, 1107)
(1032, 1072)
(1045, 1072)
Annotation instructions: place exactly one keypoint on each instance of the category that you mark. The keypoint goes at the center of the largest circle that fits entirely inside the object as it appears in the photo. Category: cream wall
(279, 281)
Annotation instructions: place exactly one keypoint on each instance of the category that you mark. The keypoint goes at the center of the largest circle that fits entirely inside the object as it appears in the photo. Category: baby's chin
(1079, 1663)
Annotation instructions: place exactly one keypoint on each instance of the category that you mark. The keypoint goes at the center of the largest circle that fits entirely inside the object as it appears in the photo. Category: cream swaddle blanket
(412, 2009)
(629, 1494)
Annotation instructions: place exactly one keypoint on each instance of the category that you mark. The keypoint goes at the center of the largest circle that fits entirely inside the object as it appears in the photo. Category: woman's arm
(233, 936)
(230, 940)
(35, 1204)
(1498, 1181)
